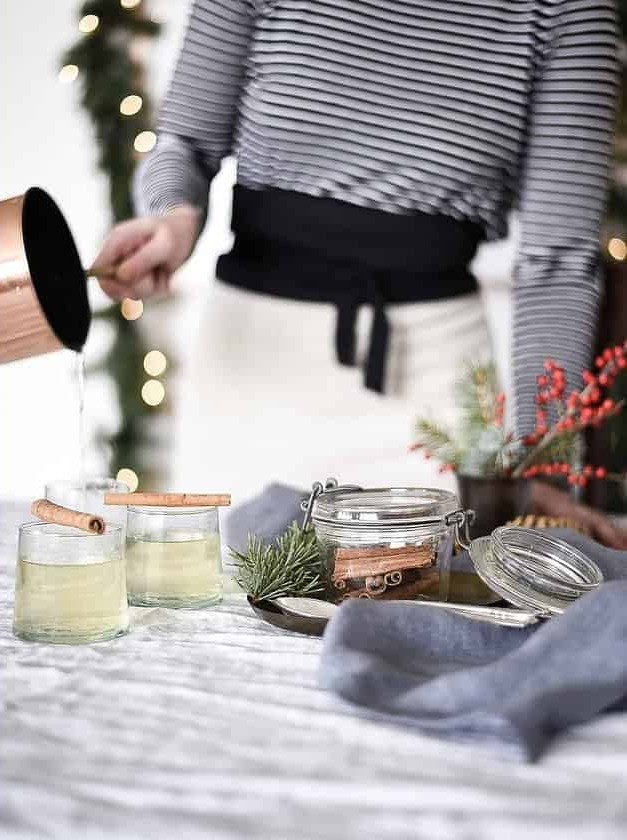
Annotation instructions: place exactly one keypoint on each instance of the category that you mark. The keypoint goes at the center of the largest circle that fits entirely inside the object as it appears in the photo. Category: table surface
(210, 724)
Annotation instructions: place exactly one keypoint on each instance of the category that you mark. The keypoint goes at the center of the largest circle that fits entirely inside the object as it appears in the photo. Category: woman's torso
(398, 105)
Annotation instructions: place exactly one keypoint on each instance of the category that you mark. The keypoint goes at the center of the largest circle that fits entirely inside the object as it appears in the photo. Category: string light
(153, 392)
(132, 309)
(145, 141)
(129, 4)
(131, 104)
(68, 73)
(88, 23)
(617, 248)
(155, 363)
(128, 477)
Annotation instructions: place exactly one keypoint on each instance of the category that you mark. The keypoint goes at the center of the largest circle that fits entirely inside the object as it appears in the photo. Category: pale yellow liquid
(70, 604)
(184, 572)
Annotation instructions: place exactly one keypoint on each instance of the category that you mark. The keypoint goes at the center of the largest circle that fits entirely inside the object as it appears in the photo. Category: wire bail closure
(461, 519)
(317, 488)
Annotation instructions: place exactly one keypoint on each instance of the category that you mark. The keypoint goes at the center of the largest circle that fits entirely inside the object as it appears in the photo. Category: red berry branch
(587, 407)
(535, 453)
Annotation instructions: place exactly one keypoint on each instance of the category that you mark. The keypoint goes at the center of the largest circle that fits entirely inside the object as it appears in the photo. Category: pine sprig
(435, 440)
(289, 566)
(477, 395)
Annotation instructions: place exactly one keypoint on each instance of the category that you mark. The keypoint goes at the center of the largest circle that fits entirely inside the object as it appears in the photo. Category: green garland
(108, 72)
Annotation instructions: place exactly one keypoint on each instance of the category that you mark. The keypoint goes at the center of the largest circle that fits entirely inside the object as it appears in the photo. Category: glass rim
(170, 510)
(376, 507)
(89, 482)
(40, 528)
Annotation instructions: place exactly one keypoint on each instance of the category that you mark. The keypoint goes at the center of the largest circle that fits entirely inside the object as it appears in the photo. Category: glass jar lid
(533, 570)
(383, 506)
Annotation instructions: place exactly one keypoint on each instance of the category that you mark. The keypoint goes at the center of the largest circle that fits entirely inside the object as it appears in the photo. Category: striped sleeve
(562, 198)
(198, 115)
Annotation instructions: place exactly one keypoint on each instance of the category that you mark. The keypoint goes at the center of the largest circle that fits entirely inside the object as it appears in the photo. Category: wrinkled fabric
(468, 680)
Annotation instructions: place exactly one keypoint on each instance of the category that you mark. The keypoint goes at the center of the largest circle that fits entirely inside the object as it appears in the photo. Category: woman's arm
(195, 131)
(197, 116)
(562, 197)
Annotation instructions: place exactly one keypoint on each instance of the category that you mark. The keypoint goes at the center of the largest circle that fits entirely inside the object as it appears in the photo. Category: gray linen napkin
(266, 515)
(471, 681)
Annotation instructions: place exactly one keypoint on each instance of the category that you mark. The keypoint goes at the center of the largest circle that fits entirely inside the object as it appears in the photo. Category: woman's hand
(139, 257)
(549, 500)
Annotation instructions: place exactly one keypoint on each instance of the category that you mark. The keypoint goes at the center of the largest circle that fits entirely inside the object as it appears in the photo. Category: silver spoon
(504, 616)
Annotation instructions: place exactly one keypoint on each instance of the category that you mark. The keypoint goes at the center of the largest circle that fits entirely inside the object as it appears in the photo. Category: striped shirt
(460, 108)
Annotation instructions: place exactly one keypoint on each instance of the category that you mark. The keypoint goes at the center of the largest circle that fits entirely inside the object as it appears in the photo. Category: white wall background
(47, 141)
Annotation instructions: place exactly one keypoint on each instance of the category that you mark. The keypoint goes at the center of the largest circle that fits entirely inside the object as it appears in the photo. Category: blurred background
(77, 119)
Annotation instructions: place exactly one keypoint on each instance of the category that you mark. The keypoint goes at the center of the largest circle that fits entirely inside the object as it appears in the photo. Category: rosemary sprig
(290, 565)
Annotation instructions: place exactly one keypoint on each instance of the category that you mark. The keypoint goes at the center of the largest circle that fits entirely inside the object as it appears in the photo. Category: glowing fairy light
(88, 23)
(128, 477)
(617, 248)
(153, 392)
(68, 73)
(132, 309)
(131, 104)
(145, 141)
(155, 363)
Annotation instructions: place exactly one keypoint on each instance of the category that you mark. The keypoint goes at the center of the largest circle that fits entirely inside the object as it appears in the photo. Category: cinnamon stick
(49, 512)
(169, 499)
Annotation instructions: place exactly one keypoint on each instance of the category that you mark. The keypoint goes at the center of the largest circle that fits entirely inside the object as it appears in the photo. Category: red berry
(619, 351)
(582, 481)
(586, 415)
(554, 393)
(565, 469)
(586, 399)
(542, 381)
(588, 377)
(604, 379)
(599, 361)
(608, 405)
(549, 364)
(530, 440)
(541, 430)
(588, 470)
(601, 472)
(607, 354)
(622, 362)
(573, 479)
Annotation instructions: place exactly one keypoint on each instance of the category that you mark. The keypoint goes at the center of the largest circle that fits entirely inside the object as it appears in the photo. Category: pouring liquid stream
(80, 381)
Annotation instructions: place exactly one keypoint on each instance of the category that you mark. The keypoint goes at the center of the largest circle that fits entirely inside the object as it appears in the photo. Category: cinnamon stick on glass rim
(169, 499)
(59, 515)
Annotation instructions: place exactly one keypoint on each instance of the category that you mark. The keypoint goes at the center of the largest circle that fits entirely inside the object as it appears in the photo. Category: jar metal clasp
(317, 488)
(461, 519)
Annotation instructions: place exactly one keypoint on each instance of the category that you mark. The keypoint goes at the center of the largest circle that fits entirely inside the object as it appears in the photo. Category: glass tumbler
(70, 585)
(173, 557)
(88, 496)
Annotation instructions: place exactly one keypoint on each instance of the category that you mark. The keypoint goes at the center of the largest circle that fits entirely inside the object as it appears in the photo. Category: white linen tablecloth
(210, 724)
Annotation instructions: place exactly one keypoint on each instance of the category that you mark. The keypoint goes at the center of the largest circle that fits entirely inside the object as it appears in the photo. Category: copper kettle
(43, 287)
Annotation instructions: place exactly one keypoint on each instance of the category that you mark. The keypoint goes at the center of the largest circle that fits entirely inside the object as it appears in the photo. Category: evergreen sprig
(434, 439)
(477, 393)
(289, 566)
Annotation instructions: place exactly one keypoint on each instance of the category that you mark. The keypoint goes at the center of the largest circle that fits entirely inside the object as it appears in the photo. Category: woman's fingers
(606, 532)
(114, 290)
(152, 255)
(123, 240)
